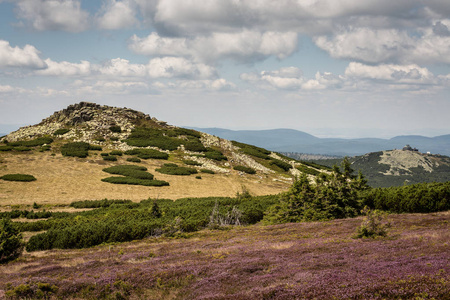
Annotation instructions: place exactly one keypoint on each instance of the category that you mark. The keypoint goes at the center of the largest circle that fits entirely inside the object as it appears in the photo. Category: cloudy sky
(343, 68)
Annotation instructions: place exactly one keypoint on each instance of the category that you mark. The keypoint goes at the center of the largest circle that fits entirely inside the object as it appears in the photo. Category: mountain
(288, 140)
(69, 152)
(397, 167)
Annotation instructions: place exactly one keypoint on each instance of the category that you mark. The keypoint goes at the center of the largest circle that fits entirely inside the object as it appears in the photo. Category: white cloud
(117, 15)
(28, 56)
(65, 68)
(241, 45)
(323, 81)
(65, 15)
(123, 68)
(406, 74)
(168, 67)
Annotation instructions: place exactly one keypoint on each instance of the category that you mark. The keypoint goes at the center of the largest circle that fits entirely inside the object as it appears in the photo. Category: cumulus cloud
(123, 68)
(65, 68)
(241, 45)
(168, 67)
(28, 56)
(409, 74)
(117, 15)
(65, 15)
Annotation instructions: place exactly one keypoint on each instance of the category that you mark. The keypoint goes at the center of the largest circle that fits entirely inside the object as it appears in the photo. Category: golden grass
(61, 180)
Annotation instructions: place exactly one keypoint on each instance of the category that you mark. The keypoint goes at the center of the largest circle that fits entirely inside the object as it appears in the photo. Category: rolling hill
(69, 153)
(398, 167)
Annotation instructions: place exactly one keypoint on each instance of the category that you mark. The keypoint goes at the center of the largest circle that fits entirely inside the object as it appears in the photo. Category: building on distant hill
(409, 148)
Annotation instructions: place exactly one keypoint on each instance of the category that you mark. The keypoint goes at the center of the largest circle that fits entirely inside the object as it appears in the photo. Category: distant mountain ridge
(290, 140)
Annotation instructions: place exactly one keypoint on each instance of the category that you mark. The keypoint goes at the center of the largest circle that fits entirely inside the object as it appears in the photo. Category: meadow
(312, 260)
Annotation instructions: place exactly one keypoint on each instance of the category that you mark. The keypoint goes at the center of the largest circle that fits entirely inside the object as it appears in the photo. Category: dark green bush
(195, 146)
(110, 158)
(32, 143)
(18, 177)
(147, 153)
(207, 171)
(97, 203)
(116, 153)
(22, 148)
(61, 131)
(104, 154)
(6, 148)
(134, 159)
(115, 129)
(114, 138)
(78, 149)
(173, 169)
(191, 162)
(11, 244)
(245, 169)
(100, 139)
(144, 137)
(308, 170)
(215, 155)
(281, 164)
(135, 181)
(253, 150)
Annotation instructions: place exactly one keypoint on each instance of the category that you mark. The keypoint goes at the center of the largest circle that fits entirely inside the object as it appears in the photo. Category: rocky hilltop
(397, 167)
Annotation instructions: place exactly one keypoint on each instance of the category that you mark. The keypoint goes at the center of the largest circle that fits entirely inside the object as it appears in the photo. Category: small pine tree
(155, 211)
(11, 244)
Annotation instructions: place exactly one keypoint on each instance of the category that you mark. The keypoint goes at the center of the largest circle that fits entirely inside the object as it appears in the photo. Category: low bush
(11, 244)
(116, 153)
(115, 129)
(32, 143)
(281, 164)
(135, 181)
(134, 175)
(22, 148)
(61, 131)
(173, 169)
(78, 149)
(147, 153)
(253, 150)
(207, 171)
(6, 148)
(195, 146)
(134, 159)
(373, 225)
(215, 155)
(18, 177)
(308, 170)
(245, 169)
(114, 138)
(110, 158)
(144, 137)
(97, 203)
(191, 162)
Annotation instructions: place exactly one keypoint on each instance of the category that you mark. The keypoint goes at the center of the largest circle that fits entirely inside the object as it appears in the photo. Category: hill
(68, 154)
(288, 140)
(397, 167)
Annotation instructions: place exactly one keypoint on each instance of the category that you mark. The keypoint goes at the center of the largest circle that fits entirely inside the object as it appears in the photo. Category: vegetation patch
(174, 169)
(78, 149)
(191, 162)
(110, 157)
(11, 244)
(61, 131)
(307, 170)
(253, 150)
(97, 203)
(145, 137)
(215, 155)
(147, 153)
(116, 129)
(32, 143)
(18, 177)
(134, 159)
(133, 175)
(207, 171)
(281, 164)
(245, 169)
(6, 148)
(195, 146)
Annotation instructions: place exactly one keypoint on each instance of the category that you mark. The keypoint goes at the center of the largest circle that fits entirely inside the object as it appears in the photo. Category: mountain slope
(397, 167)
(111, 136)
(288, 140)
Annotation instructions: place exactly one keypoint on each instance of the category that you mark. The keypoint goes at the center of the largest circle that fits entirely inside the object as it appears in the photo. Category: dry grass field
(61, 180)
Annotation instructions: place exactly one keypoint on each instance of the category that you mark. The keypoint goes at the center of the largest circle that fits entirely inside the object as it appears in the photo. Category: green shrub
(110, 158)
(173, 169)
(135, 181)
(147, 153)
(308, 170)
(45, 148)
(195, 146)
(78, 149)
(32, 143)
(100, 139)
(11, 244)
(253, 150)
(6, 148)
(215, 155)
(115, 129)
(191, 162)
(116, 153)
(207, 171)
(18, 177)
(97, 203)
(373, 224)
(144, 137)
(245, 169)
(104, 154)
(281, 164)
(114, 138)
(22, 148)
(198, 177)
(61, 131)
(134, 159)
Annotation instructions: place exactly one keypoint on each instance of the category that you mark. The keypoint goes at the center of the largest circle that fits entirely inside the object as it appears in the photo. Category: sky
(332, 68)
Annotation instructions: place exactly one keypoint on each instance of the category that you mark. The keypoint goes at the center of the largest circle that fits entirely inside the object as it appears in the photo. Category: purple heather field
(315, 260)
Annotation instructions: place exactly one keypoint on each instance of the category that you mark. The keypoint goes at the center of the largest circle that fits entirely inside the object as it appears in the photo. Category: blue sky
(342, 68)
